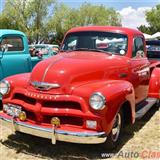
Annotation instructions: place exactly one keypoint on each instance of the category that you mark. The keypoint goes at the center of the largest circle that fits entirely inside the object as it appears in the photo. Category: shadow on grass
(43, 148)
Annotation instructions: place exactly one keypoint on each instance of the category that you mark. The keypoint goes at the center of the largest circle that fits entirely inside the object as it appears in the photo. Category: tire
(114, 137)
(1, 106)
(158, 103)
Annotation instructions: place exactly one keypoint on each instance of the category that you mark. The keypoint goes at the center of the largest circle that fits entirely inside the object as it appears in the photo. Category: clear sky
(117, 4)
(132, 11)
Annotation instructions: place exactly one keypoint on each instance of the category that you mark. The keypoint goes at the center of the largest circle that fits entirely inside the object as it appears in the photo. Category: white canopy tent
(153, 36)
(156, 35)
(147, 36)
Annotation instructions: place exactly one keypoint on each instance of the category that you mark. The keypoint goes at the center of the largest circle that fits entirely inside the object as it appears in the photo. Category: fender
(18, 81)
(154, 84)
(116, 92)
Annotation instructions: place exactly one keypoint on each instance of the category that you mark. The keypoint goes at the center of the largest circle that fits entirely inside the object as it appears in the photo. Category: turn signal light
(55, 121)
(91, 124)
(22, 116)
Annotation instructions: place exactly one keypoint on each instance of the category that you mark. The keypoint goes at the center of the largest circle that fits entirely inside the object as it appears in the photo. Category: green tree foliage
(28, 16)
(153, 19)
(65, 18)
(41, 18)
(145, 29)
(98, 15)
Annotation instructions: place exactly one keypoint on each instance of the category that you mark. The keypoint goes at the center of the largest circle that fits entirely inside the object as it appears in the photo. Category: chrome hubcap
(116, 127)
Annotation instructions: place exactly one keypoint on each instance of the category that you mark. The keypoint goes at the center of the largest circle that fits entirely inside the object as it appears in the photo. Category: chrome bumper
(54, 134)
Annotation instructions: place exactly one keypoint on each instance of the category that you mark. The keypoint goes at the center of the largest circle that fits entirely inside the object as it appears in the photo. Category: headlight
(4, 87)
(97, 101)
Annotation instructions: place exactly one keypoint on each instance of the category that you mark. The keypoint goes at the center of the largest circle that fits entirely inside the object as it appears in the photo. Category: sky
(132, 11)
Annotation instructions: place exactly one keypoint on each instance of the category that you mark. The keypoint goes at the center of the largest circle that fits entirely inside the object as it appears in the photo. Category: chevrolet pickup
(99, 82)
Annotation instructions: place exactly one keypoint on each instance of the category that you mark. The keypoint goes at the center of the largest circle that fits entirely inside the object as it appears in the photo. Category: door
(16, 58)
(140, 69)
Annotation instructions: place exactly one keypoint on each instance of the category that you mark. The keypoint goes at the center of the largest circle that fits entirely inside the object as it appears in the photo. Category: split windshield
(108, 42)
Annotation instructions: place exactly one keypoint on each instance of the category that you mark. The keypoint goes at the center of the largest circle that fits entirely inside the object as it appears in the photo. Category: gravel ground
(140, 141)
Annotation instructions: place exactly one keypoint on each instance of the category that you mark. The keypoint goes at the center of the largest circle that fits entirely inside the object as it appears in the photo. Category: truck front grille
(24, 98)
(61, 104)
(42, 110)
(65, 120)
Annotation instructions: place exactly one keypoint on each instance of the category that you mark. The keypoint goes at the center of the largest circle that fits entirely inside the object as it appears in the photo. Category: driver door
(16, 58)
(140, 69)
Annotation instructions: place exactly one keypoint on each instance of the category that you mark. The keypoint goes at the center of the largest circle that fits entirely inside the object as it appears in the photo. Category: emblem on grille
(44, 85)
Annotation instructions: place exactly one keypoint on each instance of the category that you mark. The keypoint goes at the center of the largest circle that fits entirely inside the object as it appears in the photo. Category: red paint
(81, 73)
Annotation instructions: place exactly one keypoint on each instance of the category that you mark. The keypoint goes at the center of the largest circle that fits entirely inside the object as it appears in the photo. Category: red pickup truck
(98, 83)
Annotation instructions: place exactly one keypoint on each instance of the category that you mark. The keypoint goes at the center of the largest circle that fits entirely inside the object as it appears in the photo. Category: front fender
(116, 92)
(17, 81)
(154, 84)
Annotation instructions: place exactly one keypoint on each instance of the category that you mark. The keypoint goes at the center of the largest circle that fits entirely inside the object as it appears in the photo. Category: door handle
(123, 75)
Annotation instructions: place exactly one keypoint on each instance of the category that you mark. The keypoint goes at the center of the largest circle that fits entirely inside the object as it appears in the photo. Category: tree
(41, 18)
(28, 16)
(65, 18)
(6, 23)
(152, 18)
(145, 29)
(98, 15)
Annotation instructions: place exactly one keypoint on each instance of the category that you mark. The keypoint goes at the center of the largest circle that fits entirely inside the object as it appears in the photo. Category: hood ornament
(44, 86)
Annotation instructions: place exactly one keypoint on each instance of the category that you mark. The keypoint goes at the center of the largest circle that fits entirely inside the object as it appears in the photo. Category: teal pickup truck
(14, 54)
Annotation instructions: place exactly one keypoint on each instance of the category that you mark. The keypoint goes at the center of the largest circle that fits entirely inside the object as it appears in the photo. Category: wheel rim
(116, 128)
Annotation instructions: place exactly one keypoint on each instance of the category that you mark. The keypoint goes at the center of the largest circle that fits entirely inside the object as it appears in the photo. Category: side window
(138, 47)
(14, 43)
(71, 43)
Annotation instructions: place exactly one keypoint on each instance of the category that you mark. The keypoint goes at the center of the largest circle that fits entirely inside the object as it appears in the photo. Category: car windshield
(153, 49)
(114, 43)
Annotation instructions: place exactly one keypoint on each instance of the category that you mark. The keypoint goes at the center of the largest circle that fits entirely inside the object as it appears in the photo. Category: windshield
(153, 49)
(113, 43)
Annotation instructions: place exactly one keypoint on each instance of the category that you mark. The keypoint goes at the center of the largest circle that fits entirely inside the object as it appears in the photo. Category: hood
(76, 68)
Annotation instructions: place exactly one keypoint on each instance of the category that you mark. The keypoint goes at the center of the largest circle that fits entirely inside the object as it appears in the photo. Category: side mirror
(4, 48)
(55, 50)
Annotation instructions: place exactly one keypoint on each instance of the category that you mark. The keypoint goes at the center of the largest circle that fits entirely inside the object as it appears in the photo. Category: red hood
(69, 69)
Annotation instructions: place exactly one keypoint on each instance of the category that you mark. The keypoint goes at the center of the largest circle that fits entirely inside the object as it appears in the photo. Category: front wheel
(158, 103)
(1, 105)
(115, 135)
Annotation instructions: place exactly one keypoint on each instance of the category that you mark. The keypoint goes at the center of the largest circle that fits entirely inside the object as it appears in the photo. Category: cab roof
(10, 31)
(116, 29)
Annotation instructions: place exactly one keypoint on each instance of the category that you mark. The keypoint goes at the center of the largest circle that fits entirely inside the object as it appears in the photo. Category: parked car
(15, 58)
(153, 50)
(43, 50)
(100, 82)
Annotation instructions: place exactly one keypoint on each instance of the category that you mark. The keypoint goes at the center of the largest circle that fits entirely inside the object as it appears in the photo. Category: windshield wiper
(90, 49)
(86, 49)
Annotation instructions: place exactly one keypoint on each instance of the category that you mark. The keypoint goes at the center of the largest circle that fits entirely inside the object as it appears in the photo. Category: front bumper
(54, 134)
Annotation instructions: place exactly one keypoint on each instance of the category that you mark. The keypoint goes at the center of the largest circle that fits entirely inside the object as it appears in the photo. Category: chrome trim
(116, 128)
(103, 98)
(55, 134)
(50, 65)
(44, 85)
(8, 85)
(140, 113)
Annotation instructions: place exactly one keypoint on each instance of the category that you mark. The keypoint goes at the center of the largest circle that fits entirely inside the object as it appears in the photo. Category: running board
(142, 111)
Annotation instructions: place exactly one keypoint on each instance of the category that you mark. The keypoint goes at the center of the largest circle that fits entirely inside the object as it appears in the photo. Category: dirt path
(143, 140)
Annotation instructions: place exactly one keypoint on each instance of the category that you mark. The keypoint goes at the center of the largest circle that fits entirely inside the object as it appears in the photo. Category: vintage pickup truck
(100, 82)
(153, 50)
(16, 58)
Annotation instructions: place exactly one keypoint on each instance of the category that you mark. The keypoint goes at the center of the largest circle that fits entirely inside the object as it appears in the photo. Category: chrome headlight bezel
(4, 90)
(94, 99)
